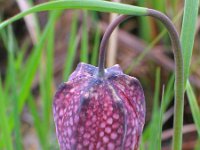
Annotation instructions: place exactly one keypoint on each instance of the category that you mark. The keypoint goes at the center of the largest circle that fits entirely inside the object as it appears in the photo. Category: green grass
(155, 114)
(152, 133)
(6, 138)
(72, 47)
(194, 106)
(96, 37)
(188, 33)
(187, 40)
(27, 75)
(37, 122)
(84, 39)
(94, 56)
(145, 33)
(16, 88)
(12, 72)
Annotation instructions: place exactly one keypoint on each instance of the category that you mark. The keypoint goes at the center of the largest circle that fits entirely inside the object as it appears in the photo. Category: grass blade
(193, 106)
(187, 41)
(72, 46)
(31, 69)
(46, 84)
(168, 95)
(14, 95)
(158, 5)
(157, 92)
(169, 92)
(160, 120)
(188, 33)
(84, 39)
(6, 139)
(155, 112)
(37, 122)
(145, 33)
(95, 51)
(102, 6)
(49, 86)
(33, 63)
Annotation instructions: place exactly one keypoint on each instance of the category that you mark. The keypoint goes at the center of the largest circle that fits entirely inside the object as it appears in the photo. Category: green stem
(179, 75)
(104, 41)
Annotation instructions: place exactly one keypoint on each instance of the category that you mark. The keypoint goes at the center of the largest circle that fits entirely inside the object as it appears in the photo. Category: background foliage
(40, 52)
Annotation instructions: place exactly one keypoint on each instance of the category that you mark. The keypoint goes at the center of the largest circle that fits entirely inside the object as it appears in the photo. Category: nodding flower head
(94, 113)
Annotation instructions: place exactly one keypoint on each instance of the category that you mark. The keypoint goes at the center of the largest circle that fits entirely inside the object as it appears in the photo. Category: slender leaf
(84, 39)
(157, 91)
(145, 33)
(159, 5)
(34, 63)
(193, 106)
(94, 57)
(72, 47)
(155, 112)
(49, 76)
(160, 120)
(168, 95)
(102, 6)
(46, 87)
(169, 92)
(188, 33)
(4, 127)
(14, 96)
(37, 121)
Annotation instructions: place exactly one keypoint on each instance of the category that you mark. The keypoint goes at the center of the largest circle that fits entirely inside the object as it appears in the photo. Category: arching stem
(104, 41)
(179, 76)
